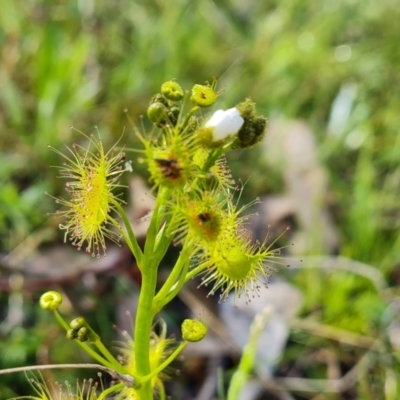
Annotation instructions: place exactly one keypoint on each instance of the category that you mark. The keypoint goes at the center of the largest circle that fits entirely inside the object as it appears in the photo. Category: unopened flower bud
(71, 334)
(157, 113)
(83, 334)
(203, 96)
(82, 331)
(50, 300)
(193, 330)
(77, 323)
(172, 90)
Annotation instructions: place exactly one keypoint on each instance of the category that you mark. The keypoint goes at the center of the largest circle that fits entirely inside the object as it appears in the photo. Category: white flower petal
(225, 123)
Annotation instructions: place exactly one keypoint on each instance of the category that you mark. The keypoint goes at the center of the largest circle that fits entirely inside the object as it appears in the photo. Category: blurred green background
(334, 64)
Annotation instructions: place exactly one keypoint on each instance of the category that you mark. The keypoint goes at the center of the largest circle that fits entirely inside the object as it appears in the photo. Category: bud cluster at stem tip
(81, 331)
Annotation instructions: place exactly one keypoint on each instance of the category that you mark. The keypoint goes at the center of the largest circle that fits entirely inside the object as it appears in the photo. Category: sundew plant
(196, 209)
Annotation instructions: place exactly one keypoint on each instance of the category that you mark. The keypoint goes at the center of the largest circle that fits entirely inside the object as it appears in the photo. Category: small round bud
(71, 334)
(172, 90)
(157, 113)
(203, 96)
(77, 323)
(193, 330)
(83, 334)
(50, 300)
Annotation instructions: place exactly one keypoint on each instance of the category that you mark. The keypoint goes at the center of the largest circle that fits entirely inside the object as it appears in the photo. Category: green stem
(153, 252)
(162, 200)
(144, 319)
(60, 320)
(178, 285)
(163, 241)
(110, 390)
(159, 300)
(196, 271)
(155, 222)
(165, 364)
(116, 365)
(95, 355)
(132, 242)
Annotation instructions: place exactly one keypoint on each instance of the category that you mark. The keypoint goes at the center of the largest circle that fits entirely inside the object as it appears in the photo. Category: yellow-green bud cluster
(171, 158)
(81, 331)
(162, 110)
